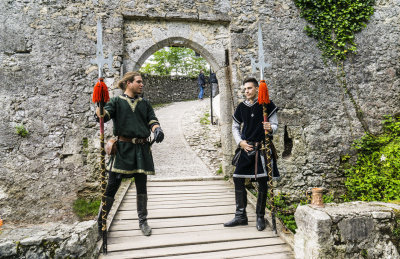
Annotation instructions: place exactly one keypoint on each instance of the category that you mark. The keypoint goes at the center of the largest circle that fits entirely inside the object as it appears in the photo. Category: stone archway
(211, 40)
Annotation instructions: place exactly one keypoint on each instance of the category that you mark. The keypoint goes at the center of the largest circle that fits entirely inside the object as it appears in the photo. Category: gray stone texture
(347, 230)
(166, 89)
(53, 240)
(47, 80)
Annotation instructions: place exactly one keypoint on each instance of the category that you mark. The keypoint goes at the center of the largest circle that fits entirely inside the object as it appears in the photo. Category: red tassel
(100, 92)
(263, 95)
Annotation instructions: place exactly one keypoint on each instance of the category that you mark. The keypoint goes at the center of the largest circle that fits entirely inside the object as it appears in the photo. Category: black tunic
(251, 115)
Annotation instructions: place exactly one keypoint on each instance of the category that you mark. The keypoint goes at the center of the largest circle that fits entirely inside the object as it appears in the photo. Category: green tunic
(131, 120)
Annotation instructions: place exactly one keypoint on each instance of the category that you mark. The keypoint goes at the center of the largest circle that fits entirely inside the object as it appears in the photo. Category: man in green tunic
(133, 119)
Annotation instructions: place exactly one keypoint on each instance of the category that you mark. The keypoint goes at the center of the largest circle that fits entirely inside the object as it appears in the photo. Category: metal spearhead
(100, 60)
(261, 64)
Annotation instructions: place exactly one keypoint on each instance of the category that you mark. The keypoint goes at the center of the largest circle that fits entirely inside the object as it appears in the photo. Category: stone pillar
(225, 121)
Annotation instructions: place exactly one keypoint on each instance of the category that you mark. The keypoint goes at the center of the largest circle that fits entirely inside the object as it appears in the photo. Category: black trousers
(115, 179)
(262, 184)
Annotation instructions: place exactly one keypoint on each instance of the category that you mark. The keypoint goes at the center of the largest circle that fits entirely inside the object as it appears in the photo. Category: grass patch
(205, 119)
(21, 130)
(219, 171)
(86, 209)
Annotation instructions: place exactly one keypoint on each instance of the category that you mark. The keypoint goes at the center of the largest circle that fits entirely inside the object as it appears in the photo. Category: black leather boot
(141, 202)
(240, 214)
(260, 210)
(109, 203)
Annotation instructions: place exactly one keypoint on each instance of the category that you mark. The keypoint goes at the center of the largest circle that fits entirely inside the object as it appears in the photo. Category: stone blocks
(347, 230)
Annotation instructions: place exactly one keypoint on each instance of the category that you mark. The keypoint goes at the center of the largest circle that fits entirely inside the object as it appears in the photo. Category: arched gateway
(143, 37)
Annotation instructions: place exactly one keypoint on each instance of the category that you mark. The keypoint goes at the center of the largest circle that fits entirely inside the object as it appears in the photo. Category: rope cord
(267, 151)
(103, 181)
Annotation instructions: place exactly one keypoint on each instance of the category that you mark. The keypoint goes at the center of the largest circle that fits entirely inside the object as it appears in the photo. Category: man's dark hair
(251, 80)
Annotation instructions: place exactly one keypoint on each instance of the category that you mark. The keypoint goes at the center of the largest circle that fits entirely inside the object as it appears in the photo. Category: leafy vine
(333, 24)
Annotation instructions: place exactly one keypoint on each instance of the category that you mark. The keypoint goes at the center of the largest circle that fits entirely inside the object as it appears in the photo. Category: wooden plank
(265, 243)
(176, 223)
(188, 183)
(270, 252)
(178, 197)
(132, 206)
(163, 231)
(228, 234)
(211, 199)
(174, 192)
(183, 188)
(193, 187)
(184, 202)
(278, 255)
(179, 213)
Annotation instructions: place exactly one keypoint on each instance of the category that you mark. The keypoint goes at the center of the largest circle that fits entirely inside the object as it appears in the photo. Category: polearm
(263, 99)
(101, 97)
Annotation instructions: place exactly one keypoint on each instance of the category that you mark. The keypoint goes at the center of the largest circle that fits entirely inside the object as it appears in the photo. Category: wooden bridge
(187, 219)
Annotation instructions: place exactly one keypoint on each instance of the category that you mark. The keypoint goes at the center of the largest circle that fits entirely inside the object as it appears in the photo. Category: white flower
(383, 158)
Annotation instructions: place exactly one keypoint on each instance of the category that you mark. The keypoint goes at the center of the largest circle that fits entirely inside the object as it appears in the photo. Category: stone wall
(348, 230)
(47, 76)
(164, 89)
(51, 241)
(317, 120)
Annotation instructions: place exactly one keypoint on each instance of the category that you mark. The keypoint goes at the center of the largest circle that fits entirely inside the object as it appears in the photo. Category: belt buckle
(134, 140)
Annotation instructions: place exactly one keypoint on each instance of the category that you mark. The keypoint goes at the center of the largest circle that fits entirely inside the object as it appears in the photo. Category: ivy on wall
(334, 23)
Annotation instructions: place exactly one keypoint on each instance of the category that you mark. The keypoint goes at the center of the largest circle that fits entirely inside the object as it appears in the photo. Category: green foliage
(375, 175)
(86, 209)
(219, 171)
(334, 23)
(175, 61)
(205, 119)
(85, 142)
(285, 209)
(364, 253)
(328, 198)
(21, 130)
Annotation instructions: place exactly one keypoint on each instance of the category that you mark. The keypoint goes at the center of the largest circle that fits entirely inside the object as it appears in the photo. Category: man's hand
(243, 144)
(267, 126)
(158, 134)
(98, 112)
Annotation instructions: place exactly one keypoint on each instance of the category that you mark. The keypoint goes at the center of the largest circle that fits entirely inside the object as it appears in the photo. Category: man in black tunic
(250, 114)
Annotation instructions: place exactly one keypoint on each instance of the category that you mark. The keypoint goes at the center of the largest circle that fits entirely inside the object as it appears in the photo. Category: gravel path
(178, 155)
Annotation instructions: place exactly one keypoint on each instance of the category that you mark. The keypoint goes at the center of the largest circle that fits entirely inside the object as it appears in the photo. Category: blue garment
(201, 91)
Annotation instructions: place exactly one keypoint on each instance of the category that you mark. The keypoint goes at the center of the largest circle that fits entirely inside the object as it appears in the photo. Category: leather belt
(133, 140)
(257, 148)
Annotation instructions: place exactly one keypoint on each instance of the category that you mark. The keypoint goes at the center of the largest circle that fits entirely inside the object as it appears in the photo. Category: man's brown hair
(128, 77)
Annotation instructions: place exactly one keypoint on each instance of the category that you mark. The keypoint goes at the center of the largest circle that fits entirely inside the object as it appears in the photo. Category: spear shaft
(263, 99)
(267, 152)
(101, 97)
(103, 179)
